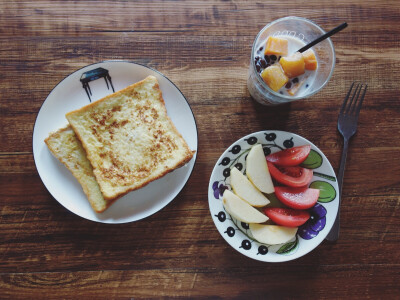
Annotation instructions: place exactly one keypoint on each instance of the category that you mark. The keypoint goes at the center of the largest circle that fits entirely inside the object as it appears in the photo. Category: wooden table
(204, 48)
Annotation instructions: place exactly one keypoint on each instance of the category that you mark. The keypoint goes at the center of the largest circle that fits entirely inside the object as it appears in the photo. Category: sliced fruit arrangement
(246, 190)
(290, 157)
(272, 234)
(286, 216)
(298, 198)
(291, 176)
(255, 200)
(257, 170)
(241, 210)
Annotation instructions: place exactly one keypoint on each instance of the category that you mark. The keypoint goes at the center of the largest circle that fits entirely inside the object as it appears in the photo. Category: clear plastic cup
(299, 29)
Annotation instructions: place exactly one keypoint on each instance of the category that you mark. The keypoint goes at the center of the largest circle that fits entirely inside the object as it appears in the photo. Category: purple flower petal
(216, 193)
(318, 225)
(318, 211)
(222, 189)
(215, 185)
(315, 224)
(306, 232)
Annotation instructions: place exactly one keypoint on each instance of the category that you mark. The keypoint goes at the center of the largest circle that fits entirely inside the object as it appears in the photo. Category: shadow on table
(271, 117)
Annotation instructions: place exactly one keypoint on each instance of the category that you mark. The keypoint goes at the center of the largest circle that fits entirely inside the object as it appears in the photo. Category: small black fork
(347, 126)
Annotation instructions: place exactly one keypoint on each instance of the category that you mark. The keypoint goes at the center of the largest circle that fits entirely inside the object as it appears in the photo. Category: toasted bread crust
(129, 138)
(65, 146)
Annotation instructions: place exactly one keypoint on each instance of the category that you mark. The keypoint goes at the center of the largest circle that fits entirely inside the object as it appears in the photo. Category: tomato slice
(290, 157)
(287, 216)
(290, 176)
(298, 198)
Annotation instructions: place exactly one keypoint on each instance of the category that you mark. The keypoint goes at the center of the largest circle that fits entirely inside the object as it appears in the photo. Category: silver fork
(347, 126)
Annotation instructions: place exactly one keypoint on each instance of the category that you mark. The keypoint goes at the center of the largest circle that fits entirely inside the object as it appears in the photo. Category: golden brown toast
(129, 138)
(66, 147)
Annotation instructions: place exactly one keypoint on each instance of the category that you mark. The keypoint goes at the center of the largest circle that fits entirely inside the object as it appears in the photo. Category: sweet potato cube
(276, 46)
(310, 60)
(293, 65)
(274, 77)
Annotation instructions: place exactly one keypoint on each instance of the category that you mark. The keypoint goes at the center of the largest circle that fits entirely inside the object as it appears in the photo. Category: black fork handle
(333, 235)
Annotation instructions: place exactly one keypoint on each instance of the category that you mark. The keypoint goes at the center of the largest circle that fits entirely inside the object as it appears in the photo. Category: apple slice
(246, 190)
(272, 234)
(257, 170)
(241, 210)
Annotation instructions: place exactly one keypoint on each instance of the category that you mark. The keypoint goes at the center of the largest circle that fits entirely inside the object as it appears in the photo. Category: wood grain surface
(204, 48)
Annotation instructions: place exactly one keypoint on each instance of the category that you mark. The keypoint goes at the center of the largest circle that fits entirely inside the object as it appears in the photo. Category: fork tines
(354, 108)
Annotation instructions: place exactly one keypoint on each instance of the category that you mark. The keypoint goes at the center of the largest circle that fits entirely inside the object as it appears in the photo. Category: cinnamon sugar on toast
(66, 147)
(129, 139)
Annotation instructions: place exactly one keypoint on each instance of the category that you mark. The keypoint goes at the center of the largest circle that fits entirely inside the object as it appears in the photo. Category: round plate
(79, 89)
(309, 235)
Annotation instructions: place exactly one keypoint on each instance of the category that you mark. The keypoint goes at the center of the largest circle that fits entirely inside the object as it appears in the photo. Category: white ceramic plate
(309, 235)
(69, 95)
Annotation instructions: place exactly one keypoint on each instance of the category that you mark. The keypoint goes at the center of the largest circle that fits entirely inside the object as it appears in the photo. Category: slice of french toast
(66, 147)
(129, 138)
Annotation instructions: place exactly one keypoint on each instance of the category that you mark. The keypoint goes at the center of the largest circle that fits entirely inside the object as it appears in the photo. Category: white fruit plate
(79, 89)
(309, 235)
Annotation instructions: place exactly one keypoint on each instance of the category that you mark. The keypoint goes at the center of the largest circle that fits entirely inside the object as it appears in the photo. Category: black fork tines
(353, 106)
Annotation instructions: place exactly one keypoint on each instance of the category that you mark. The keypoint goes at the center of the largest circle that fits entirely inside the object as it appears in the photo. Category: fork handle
(333, 235)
